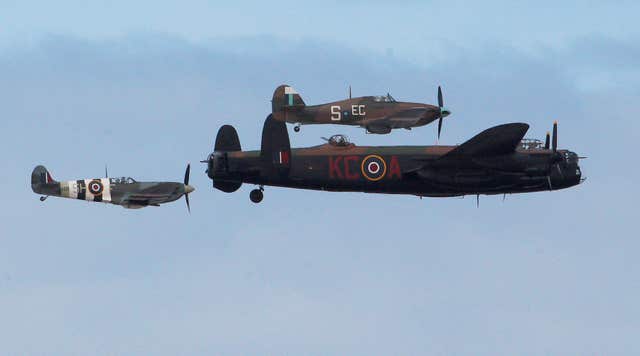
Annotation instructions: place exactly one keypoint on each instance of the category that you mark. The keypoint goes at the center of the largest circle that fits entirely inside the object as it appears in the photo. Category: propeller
(555, 157)
(547, 140)
(554, 142)
(187, 188)
(444, 112)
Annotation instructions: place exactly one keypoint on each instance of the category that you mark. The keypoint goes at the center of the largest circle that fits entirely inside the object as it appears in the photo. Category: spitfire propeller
(444, 112)
(187, 188)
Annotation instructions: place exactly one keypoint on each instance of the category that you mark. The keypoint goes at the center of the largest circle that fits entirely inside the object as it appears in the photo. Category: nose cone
(445, 112)
(188, 189)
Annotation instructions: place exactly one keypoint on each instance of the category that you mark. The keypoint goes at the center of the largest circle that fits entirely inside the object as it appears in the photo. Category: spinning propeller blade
(555, 157)
(188, 189)
(554, 142)
(547, 140)
(440, 105)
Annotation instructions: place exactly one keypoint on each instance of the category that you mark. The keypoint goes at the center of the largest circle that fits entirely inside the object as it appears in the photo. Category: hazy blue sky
(143, 87)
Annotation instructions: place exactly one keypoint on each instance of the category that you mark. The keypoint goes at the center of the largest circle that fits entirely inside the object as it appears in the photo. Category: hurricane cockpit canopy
(123, 180)
(384, 98)
(339, 140)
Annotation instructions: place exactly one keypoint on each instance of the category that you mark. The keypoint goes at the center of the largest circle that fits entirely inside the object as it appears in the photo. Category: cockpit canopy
(530, 144)
(122, 180)
(339, 140)
(384, 98)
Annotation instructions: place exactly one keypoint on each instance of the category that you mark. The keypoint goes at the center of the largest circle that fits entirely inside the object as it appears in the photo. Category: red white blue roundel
(96, 187)
(373, 167)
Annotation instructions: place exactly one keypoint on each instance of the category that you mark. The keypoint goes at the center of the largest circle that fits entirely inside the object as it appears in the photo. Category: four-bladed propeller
(187, 188)
(444, 112)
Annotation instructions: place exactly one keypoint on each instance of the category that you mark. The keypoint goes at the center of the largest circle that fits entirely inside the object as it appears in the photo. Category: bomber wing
(498, 140)
(492, 142)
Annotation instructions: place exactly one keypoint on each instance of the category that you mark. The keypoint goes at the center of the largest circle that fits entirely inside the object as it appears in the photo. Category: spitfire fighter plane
(377, 114)
(496, 161)
(125, 192)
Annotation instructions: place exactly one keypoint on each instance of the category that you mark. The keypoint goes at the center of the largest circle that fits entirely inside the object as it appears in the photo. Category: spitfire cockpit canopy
(384, 98)
(123, 180)
(339, 140)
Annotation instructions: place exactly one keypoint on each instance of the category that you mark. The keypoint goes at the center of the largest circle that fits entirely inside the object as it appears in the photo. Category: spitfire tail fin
(276, 149)
(285, 98)
(40, 179)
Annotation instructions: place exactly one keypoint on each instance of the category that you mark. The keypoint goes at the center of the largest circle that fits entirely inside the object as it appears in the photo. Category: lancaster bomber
(377, 114)
(495, 161)
(124, 191)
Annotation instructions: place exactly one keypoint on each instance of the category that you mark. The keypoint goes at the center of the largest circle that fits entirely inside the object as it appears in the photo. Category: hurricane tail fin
(285, 98)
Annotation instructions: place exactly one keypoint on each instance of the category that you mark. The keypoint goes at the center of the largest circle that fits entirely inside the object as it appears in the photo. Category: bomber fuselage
(401, 170)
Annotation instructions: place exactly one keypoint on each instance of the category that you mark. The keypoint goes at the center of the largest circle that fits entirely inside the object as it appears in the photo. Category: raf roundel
(95, 187)
(373, 168)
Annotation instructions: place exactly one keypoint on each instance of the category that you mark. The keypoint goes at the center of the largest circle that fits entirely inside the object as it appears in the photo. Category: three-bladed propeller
(444, 112)
(187, 188)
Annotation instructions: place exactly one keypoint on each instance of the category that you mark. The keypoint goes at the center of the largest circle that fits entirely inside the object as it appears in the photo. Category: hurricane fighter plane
(377, 114)
(495, 161)
(125, 191)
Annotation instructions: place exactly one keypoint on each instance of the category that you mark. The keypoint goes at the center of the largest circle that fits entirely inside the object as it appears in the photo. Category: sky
(143, 88)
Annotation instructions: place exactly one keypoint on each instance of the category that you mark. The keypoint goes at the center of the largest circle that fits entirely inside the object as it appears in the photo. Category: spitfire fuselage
(119, 191)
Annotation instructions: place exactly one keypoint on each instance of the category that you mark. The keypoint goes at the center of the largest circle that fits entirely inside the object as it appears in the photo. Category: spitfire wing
(145, 199)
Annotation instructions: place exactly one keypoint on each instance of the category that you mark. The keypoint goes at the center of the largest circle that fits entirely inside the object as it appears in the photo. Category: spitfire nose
(445, 112)
(188, 189)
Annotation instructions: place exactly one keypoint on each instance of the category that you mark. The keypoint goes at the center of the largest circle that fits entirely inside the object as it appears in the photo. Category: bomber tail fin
(276, 149)
(226, 141)
(285, 98)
